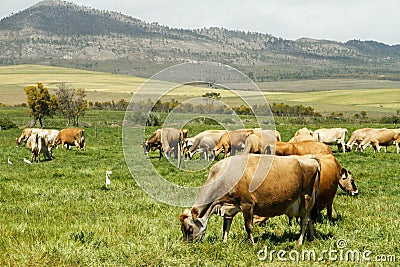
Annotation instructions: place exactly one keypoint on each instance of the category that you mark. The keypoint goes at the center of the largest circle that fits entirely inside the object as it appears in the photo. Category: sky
(338, 20)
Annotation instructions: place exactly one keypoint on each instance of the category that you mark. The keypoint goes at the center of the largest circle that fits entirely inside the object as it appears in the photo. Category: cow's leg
(311, 230)
(227, 227)
(304, 219)
(329, 211)
(247, 210)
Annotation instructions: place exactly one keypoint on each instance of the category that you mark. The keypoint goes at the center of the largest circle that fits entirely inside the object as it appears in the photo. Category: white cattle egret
(9, 161)
(27, 161)
(108, 181)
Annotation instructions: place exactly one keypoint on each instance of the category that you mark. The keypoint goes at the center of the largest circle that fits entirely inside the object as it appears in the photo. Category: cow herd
(301, 180)
(42, 141)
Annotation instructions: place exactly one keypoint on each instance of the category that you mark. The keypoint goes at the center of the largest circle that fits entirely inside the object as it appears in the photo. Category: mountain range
(60, 33)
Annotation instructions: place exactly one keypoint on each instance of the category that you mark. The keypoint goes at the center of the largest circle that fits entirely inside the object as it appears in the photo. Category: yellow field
(380, 97)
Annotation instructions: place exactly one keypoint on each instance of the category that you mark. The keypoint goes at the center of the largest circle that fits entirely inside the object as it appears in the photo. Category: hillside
(60, 33)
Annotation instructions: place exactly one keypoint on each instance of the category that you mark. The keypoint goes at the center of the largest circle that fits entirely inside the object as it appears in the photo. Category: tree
(211, 97)
(363, 115)
(40, 102)
(72, 103)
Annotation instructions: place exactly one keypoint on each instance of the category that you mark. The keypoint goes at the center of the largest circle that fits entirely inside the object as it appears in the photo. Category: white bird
(27, 161)
(108, 181)
(9, 161)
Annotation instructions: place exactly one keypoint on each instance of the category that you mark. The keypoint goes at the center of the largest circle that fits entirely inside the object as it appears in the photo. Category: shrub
(6, 124)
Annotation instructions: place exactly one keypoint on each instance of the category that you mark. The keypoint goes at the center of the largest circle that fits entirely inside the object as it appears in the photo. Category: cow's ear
(195, 213)
(343, 173)
(186, 214)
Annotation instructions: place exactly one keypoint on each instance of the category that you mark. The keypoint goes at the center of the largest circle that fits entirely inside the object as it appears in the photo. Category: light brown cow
(231, 141)
(332, 136)
(357, 137)
(166, 139)
(285, 185)
(257, 142)
(70, 137)
(382, 138)
(214, 135)
(50, 134)
(38, 144)
(302, 134)
(206, 147)
(299, 148)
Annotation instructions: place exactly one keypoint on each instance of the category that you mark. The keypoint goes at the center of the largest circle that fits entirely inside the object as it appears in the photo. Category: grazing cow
(153, 143)
(332, 175)
(231, 141)
(214, 135)
(38, 144)
(26, 133)
(206, 147)
(357, 137)
(70, 137)
(302, 134)
(257, 142)
(332, 136)
(382, 138)
(285, 186)
(166, 139)
(299, 148)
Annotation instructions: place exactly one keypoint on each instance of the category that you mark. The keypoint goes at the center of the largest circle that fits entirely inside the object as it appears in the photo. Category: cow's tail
(315, 210)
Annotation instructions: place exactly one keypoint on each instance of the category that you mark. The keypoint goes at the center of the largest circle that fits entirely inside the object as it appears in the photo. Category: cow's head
(192, 227)
(146, 147)
(346, 182)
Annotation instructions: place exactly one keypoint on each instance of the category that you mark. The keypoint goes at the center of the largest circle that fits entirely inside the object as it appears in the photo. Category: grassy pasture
(58, 213)
(376, 97)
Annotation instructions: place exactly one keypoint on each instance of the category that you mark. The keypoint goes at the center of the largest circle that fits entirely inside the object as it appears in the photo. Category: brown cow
(332, 175)
(231, 141)
(299, 148)
(70, 137)
(302, 134)
(285, 185)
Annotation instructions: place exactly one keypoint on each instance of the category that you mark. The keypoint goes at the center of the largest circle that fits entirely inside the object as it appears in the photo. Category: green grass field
(376, 97)
(59, 213)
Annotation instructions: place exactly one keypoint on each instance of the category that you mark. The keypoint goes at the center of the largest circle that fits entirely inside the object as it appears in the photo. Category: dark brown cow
(232, 141)
(299, 148)
(70, 137)
(285, 185)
